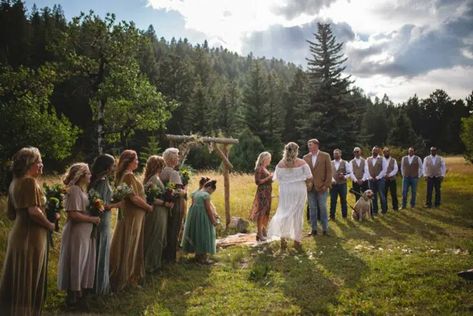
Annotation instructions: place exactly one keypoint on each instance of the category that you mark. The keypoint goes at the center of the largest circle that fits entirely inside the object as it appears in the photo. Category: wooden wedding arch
(186, 142)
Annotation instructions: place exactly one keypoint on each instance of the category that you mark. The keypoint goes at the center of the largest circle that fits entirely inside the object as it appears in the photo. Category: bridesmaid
(156, 221)
(127, 253)
(76, 269)
(102, 168)
(171, 159)
(23, 282)
(262, 201)
(199, 230)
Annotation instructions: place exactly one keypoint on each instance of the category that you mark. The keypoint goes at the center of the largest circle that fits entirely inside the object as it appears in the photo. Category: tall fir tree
(328, 114)
(255, 101)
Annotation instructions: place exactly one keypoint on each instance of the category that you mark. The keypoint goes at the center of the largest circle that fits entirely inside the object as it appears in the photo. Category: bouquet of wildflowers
(121, 192)
(186, 173)
(96, 208)
(153, 192)
(169, 194)
(54, 205)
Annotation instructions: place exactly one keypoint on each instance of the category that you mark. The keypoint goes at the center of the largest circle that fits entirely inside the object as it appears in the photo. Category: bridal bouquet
(54, 205)
(96, 208)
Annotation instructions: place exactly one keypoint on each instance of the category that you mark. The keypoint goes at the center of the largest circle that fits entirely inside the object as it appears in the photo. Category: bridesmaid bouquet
(54, 204)
(185, 173)
(96, 208)
(121, 192)
(153, 192)
(169, 194)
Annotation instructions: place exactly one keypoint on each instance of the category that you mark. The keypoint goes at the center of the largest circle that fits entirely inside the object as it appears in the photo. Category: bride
(291, 173)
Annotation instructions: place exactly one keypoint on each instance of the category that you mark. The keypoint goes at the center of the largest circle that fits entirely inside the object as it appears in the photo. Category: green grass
(404, 263)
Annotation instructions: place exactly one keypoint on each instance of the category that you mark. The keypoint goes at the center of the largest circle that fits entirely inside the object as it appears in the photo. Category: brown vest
(358, 171)
(410, 170)
(432, 170)
(377, 168)
(342, 168)
(390, 166)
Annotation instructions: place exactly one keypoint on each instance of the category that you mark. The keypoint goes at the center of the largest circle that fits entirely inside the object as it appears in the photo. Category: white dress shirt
(314, 158)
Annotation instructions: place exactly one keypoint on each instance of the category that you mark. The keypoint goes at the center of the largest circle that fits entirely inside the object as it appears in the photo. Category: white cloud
(456, 81)
(225, 21)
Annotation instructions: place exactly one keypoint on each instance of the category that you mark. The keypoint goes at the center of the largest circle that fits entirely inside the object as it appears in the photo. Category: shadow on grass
(163, 292)
(310, 279)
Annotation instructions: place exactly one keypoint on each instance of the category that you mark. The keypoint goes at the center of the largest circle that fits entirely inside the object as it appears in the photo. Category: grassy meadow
(403, 263)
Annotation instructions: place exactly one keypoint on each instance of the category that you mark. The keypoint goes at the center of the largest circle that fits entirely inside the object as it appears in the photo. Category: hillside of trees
(93, 84)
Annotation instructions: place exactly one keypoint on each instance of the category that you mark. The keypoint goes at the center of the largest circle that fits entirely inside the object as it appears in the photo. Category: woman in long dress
(76, 270)
(23, 283)
(262, 202)
(102, 168)
(176, 214)
(156, 222)
(292, 174)
(127, 265)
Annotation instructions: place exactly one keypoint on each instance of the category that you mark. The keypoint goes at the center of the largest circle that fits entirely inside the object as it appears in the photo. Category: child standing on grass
(199, 230)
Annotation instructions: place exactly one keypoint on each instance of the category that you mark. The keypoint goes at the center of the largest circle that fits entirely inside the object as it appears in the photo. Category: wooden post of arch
(223, 154)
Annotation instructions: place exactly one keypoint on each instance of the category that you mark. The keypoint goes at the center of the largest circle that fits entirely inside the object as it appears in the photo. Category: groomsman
(341, 171)
(390, 178)
(376, 168)
(411, 171)
(434, 172)
(318, 186)
(358, 175)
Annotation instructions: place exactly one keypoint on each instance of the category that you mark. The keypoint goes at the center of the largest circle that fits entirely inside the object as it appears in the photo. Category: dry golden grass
(458, 165)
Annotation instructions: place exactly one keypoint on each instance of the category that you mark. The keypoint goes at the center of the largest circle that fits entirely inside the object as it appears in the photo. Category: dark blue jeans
(409, 182)
(336, 191)
(377, 186)
(433, 183)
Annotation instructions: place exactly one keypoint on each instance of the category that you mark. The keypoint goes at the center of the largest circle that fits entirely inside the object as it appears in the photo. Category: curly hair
(153, 165)
(169, 154)
(291, 150)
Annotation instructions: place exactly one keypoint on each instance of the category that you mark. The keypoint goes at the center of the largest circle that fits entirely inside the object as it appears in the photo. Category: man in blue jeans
(317, 187)
(376, 168)
(341, 171)
(411, 171)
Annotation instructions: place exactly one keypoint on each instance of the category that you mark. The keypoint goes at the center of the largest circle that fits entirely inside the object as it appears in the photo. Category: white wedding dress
(289, 217)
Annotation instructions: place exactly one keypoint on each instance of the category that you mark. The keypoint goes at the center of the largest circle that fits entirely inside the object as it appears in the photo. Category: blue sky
(398, 47)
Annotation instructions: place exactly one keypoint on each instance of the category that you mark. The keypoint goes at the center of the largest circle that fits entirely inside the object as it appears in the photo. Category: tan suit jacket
(321, 172)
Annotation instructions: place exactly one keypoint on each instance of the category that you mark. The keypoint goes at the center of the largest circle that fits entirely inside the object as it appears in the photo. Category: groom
(317, 187)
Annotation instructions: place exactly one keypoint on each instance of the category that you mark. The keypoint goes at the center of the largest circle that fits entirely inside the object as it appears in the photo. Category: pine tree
(294, 102)
(255, 100)
(329, 112)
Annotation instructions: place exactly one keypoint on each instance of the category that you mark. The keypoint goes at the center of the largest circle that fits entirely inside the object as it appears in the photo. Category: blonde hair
(23, 160)
(261, 158)
(75, 173)
(291, 150)
(169, 154)
(153, 165)
(125, 159)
